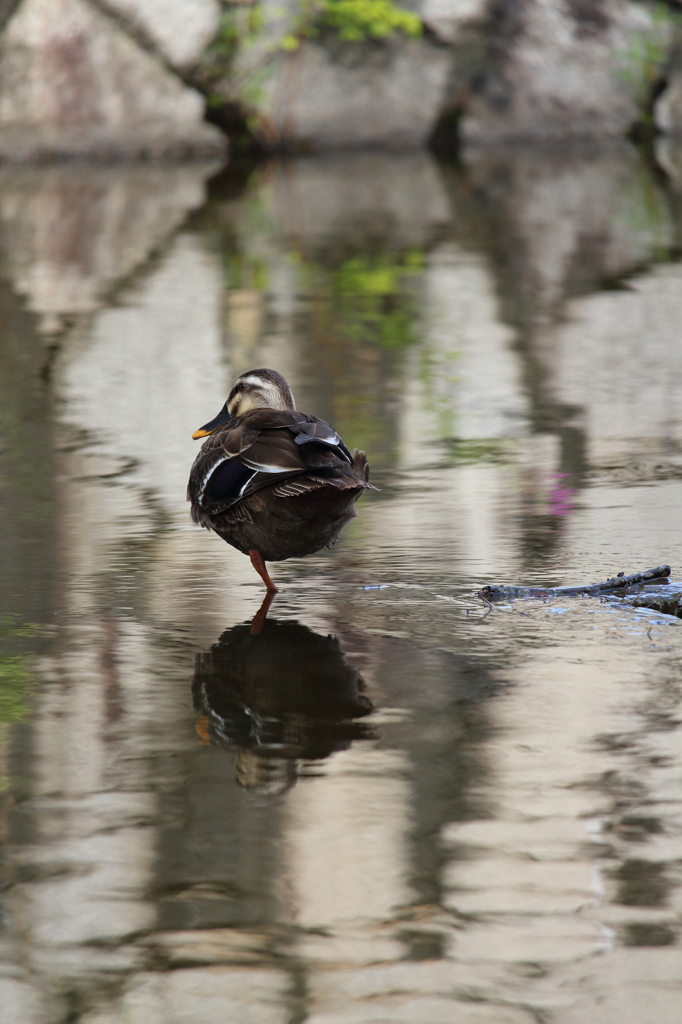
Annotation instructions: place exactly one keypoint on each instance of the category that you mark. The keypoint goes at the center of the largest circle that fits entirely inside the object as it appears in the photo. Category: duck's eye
(243, 386)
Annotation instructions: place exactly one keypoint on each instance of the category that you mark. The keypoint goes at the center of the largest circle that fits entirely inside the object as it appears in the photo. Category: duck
(273, 482)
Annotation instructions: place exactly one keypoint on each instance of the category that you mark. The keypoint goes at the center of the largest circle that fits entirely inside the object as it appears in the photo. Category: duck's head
(255, 389)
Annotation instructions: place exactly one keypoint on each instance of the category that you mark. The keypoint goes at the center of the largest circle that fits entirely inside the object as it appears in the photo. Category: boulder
(345, 95)
(567, 68)
(72, 83)
(332, 94)
(668, 107)
(180, 29)
(448, 18)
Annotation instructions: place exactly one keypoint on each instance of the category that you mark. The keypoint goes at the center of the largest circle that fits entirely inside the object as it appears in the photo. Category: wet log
(621, 583)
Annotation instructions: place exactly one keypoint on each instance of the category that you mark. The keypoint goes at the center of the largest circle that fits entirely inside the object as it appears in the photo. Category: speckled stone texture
(566, 69)
(72, 83)
(179, 29)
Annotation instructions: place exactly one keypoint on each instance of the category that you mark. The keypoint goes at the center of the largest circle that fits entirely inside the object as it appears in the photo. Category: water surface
(391, 805)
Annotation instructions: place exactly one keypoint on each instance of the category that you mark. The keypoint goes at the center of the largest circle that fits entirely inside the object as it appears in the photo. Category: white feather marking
(209, 474)
(245, 485)
(292, 489)
(259, 467)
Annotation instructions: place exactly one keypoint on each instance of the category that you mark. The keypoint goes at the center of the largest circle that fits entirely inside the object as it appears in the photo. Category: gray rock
(330, 94)
(180, 29)
(668, 107)
(384, 93)
(567, 68)
(447, 18)
(73, 84)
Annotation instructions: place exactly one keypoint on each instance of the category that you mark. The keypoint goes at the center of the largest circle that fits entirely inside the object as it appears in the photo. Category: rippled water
(392, 805)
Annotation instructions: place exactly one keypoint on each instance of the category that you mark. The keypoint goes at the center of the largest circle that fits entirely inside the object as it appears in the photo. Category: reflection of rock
(356, 225)
(561, 222)
(331, 204)
(283, 695)
(580, 842)
(619, 356)
(473, 385)
(71, 82)
(562, 68)
(70, 233)
(144, 376)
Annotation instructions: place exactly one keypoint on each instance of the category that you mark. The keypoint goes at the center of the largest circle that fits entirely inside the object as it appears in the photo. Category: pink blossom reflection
(561, 499)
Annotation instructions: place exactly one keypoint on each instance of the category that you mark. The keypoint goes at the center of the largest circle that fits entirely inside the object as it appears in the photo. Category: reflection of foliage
(245, 271)
(15, 684)
(361, 314)
(469, 450)
(648, 216)
(16, 679)
(7, 630)
(371, 300)
(433, 371)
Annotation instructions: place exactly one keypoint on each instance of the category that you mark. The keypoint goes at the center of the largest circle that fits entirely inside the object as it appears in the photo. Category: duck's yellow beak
(221, 419)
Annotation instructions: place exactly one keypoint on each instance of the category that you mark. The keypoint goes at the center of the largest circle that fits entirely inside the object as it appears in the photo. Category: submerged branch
(620, 582)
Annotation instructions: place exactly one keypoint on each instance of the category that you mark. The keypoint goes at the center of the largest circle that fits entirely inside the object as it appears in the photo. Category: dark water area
(391, 803)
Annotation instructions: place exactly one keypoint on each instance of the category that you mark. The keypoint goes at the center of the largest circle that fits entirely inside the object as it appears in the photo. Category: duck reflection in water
(281, 695)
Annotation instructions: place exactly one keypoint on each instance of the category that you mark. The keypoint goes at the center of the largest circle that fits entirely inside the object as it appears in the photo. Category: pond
(393, 804)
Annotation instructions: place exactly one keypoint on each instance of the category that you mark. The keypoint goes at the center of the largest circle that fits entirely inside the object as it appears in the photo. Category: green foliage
(227, 35)
(224, 78)
(238, 27)
(235, 26)
(355, 20)
(642, 63)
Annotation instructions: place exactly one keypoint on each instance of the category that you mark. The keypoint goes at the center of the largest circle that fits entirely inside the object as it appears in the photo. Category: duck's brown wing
(288, 451)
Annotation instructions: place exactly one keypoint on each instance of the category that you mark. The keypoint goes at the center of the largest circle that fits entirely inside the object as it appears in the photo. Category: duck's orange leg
(258, 562)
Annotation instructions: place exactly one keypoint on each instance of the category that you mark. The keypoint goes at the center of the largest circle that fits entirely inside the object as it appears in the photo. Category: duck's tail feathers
(362, 468)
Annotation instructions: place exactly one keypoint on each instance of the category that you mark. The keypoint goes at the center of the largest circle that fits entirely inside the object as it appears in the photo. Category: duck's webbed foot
(258, 562)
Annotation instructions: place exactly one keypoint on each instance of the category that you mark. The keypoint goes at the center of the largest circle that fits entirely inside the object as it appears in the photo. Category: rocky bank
(133, 78)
